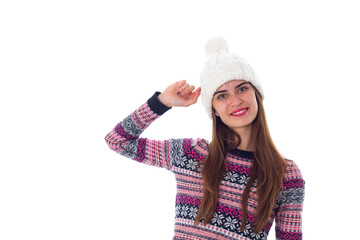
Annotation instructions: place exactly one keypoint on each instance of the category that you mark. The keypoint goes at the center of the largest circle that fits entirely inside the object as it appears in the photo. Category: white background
(71, 70)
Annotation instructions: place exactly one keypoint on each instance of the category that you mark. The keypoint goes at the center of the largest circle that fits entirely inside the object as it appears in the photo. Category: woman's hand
(179, 94)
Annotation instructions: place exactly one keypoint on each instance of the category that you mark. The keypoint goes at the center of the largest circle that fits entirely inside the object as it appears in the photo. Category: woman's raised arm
(125, 137)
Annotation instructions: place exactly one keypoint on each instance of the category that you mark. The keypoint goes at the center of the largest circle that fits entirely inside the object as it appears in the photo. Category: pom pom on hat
(222, 67)
(216, 45)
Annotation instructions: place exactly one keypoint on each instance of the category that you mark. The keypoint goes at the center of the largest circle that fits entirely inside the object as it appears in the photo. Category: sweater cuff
(156, 106)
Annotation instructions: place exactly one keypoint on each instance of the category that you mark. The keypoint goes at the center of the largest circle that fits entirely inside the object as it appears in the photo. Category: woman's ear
(214, 111)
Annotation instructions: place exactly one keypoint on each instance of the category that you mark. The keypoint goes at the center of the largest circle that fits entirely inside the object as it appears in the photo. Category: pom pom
(215, 45)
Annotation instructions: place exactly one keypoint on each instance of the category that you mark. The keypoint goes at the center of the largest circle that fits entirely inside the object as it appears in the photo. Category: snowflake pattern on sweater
(184, 157)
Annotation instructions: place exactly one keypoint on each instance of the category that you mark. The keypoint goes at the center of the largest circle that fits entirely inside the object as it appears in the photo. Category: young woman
(236, 185)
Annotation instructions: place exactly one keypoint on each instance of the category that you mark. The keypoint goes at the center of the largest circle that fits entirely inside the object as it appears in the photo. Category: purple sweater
(184, 157)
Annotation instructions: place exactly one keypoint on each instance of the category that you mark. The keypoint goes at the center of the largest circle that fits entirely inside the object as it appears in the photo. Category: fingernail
(178, 93)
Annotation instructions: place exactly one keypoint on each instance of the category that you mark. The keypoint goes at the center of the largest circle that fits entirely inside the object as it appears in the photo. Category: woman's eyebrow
(220, 92)
(241, 84)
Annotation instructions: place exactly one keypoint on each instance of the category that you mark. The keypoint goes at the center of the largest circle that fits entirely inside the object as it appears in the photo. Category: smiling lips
(239, 112)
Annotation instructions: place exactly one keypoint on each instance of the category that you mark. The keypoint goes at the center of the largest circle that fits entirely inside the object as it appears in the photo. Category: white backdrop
(71, 70)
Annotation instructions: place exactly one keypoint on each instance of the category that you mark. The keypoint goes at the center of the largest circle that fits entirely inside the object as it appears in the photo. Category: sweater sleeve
(124, 138)
(288, 222)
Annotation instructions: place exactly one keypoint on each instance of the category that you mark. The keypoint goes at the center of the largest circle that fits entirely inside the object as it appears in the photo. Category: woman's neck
(245, 136)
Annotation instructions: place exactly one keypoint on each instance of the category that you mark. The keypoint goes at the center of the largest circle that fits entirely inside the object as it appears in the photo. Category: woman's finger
(180, 84)
(193, 97)
(188, 90)
(183, 88)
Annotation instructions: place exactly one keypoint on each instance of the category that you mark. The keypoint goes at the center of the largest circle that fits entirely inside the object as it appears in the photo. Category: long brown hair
(268, 168)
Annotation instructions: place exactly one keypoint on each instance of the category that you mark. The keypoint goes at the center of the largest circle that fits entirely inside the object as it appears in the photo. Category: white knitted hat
(221, 68)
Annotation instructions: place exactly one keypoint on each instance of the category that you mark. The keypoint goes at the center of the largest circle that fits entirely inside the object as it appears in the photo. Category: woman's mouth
(239, 112)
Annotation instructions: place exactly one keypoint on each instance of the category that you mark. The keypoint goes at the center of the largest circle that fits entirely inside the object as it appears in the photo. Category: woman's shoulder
(201, 142)
(291, 165)
(194, 142)
(202, 145)
(293, 174)
(196, 147)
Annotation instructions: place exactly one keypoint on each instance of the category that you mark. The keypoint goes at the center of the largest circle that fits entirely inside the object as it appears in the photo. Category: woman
(234, 186)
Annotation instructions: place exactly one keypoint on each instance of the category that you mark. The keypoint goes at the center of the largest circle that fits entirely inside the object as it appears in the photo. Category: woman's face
(235, 103)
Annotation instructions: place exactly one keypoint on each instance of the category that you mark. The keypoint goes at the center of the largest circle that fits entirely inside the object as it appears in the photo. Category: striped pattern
(185, 157)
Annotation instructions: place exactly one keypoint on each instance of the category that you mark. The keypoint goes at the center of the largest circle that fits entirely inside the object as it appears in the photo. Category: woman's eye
(221, 96)
(243, 89)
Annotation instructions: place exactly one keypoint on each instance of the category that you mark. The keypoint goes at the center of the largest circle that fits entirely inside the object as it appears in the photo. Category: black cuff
(156, 106)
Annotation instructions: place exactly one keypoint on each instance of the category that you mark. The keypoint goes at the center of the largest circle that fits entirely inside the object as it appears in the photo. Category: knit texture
(185, 157)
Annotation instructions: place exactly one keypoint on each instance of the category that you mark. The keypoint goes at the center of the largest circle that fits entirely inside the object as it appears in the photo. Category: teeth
(240, 111)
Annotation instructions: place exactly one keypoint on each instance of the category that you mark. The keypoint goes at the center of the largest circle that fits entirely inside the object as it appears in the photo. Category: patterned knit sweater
(184, 157)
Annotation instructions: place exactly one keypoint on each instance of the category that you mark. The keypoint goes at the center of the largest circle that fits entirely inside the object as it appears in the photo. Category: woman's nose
(236, 100)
